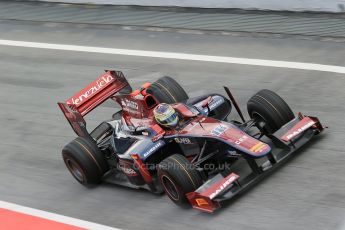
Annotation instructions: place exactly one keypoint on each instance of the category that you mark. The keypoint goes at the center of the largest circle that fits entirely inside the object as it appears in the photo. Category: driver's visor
(170, 120)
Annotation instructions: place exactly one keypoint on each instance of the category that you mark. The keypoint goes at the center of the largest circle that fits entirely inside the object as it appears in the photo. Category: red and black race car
(203, 161)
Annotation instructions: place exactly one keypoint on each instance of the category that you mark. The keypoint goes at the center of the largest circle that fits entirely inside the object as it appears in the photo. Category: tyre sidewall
(92, 163)
(270, 108)
(182, 199)
(181, 173)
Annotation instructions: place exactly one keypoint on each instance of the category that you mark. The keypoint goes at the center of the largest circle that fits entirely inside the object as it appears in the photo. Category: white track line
(54, 217)
(179, 56)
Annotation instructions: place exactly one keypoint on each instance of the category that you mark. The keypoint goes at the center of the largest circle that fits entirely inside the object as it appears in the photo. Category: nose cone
(247, 144)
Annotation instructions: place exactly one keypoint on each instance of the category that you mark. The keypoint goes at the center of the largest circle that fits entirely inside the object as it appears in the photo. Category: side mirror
(206, 102)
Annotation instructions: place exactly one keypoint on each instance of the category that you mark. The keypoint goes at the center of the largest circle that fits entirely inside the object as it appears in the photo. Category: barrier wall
(289, 5)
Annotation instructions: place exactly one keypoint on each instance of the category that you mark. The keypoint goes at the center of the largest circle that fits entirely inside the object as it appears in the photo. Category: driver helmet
(166, 115)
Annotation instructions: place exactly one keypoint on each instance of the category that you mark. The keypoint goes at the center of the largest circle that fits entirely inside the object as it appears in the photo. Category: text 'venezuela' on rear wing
(83, 102)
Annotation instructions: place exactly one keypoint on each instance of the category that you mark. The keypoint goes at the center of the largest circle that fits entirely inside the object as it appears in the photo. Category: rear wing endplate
(75, 119)
(83, 102)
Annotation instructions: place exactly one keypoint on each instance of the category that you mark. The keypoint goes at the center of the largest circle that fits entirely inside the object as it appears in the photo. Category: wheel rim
(170, 188)
(75, 169)
(259, 117)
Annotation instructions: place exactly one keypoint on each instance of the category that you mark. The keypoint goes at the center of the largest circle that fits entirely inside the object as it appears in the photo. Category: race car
(198, 157)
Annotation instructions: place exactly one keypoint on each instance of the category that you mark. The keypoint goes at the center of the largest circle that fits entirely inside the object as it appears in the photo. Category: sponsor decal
(131, 111)
(129, 104)
(299, 130)
(219, 130)
(157, 137)
(201, 201)
(224, 185)
(153, 149)
(259, 147)
(241, 139)
(127, 170)
(234, 153)
(93, 89)
(183, 140)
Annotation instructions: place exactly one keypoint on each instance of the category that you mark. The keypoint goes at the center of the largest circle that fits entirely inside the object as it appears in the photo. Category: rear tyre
(167, 90)
(178, 177)
(269, 109)
(85, 161)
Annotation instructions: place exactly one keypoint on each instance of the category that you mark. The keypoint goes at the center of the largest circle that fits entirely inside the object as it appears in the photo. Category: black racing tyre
(167, 90)
(101, 130)
(178, 177)
(269, 107)
(85, 161)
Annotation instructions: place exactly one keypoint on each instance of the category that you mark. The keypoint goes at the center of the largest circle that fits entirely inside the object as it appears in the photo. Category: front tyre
(178, 177)
(270, 109)
(85, 161)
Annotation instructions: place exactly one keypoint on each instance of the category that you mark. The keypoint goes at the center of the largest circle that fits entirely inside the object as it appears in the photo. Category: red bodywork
(203, 200)
(140, 165)
(137, 107)
(207, 127)
(77, 106)
(98, 91)
(304, 124)
(137, 110)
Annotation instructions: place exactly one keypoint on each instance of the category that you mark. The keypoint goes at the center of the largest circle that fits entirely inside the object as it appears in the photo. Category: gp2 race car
(203, 161)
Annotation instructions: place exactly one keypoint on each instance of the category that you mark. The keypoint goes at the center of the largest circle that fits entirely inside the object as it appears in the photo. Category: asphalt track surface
(306, 193)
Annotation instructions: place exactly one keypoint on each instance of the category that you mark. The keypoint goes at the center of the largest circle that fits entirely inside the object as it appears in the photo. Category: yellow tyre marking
(185, 171)
(90, 154)
(166, 90)
(281, 116)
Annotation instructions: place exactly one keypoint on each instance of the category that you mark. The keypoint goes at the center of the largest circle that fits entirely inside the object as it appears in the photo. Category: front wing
(249, 171)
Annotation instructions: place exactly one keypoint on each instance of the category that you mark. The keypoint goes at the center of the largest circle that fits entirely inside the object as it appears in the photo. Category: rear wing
(83, 102)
